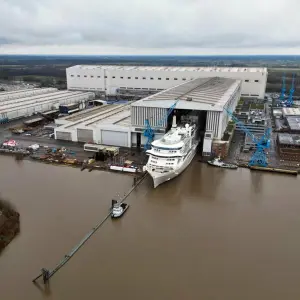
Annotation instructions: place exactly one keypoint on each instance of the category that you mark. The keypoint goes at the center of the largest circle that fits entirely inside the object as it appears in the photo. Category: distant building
(291, 112)
(288, 146)
(254, 118)
(293, 124)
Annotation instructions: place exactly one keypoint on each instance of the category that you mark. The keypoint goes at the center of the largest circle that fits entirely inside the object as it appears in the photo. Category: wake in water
(19, 157)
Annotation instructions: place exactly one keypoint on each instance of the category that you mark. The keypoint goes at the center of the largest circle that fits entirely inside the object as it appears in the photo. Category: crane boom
(242, 126)
(283, 89)
(259, 157)
(290, 101)
(149, 132)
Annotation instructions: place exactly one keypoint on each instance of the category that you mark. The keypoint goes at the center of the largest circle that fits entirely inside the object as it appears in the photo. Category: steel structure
(259, 157)
(149, 132)
(283, 89)
(290, 101)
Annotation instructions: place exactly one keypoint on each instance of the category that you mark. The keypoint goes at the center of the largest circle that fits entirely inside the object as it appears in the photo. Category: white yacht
(171, 154)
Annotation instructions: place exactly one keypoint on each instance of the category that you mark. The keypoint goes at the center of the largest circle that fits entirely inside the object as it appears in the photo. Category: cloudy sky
(163, 27)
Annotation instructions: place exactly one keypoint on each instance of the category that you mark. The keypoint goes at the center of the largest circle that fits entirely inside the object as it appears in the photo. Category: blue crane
(290, 101)
(149, 132)
(283, 89)
(259, 157)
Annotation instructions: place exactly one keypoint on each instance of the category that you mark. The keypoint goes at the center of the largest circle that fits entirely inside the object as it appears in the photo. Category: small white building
(111, 79)
(105, 125)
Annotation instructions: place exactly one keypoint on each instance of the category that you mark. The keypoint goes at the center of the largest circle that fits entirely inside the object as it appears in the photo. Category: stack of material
(9, 224)
(58, 155)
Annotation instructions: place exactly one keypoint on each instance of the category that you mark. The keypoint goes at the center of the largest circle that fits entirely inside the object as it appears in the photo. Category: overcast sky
(150, 27)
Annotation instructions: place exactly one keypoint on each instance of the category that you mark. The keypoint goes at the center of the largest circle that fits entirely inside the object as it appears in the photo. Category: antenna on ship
(174, 124)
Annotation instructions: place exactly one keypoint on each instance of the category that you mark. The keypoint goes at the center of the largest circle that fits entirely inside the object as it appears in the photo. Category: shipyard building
(24, 103)
(202, 99)
(253, 114)
(144, 80)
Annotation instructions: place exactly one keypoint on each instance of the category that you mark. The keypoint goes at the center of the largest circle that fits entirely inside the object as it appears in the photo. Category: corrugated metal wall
(155, 116)
(114, 138)
(66, 136)
(212, 122)
(85, 135)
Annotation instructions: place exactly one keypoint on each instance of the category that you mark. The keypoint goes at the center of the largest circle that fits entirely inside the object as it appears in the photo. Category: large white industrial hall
(112, 80)
(204, 98)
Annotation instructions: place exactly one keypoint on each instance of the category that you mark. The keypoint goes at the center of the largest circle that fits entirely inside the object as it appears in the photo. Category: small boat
(216, 162)
(118, 208)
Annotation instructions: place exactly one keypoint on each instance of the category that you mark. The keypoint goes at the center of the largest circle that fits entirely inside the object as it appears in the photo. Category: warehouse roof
(291, 111)
(85, 114)
(289, 139)
(106, 114)
(201, 93)
(22, 91)
(294, 123)
(119, 118)
(166, 68)
(17, 104)
(107, 117)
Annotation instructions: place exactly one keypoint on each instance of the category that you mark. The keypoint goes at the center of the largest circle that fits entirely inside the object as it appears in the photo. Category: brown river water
(208, 234)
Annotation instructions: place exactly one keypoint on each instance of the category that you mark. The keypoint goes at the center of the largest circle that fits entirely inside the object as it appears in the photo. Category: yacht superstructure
(170, 155)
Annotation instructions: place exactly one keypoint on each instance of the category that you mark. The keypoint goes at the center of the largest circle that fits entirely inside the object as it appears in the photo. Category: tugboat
(216, 162)
(118, 209)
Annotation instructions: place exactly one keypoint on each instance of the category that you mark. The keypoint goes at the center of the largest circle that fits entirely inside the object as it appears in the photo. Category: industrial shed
(294, 124)
(289, 146)
(205, 98)
(113, 80)
(106, 125)
(291, 112)
(40, 102)
(24, 93)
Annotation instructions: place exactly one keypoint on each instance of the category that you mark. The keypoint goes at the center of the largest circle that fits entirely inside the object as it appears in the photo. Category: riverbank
(55, 152)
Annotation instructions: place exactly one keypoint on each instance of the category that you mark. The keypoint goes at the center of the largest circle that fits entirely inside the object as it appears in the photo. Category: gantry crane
(290, 101)
(149, 132)
(283, 89)
(259, 158)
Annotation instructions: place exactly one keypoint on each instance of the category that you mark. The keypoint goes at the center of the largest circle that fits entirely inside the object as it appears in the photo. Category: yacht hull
(159, 178)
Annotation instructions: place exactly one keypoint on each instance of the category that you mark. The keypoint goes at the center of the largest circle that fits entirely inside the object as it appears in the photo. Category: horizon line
(145, 55)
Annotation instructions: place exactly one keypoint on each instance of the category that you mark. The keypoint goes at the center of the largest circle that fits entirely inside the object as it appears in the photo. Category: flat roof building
(294, 124)
(106, 125)
(289, 146)
(111, 80)
(40, 101)
(291, 111)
